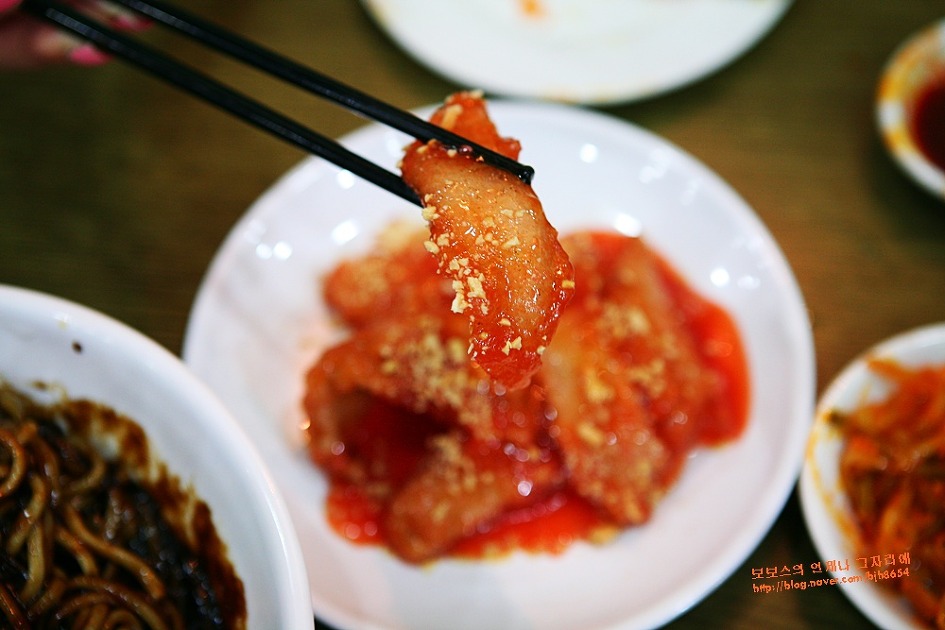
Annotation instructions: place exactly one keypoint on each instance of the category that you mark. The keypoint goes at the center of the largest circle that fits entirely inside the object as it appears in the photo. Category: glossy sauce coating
(490, 237)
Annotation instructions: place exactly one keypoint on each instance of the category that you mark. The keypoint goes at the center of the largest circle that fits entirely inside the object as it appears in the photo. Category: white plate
(586, 51)
(825, 505)
(258, 323)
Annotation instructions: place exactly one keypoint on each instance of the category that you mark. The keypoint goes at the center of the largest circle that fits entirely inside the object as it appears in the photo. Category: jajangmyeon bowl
(77, 387)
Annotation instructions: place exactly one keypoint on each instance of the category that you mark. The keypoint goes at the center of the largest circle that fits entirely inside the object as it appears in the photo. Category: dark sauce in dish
(928, 121)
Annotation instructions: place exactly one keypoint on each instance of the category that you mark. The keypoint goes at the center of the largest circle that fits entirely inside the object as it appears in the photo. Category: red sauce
(550, 526)
(928, 121)
(397, 439)
(721, 348)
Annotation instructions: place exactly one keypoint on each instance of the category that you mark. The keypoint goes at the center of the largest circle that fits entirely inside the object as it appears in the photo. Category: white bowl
(87, 355)
(826, 507)
(916, 63)
(258, 324)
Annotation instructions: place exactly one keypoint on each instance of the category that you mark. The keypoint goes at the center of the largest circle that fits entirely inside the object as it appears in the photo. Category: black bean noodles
(84, 544)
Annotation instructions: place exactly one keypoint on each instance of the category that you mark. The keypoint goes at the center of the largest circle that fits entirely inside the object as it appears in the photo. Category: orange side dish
(429, 456)
(892, 468)
(490, 237)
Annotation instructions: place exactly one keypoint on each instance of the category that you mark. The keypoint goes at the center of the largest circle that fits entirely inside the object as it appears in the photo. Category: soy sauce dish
(910, 107)
(78, 388)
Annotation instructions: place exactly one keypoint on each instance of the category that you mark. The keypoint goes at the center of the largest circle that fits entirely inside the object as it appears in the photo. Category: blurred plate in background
(580, 51)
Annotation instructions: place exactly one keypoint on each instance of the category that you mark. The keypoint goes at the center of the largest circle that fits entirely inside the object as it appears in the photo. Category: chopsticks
(251, 110)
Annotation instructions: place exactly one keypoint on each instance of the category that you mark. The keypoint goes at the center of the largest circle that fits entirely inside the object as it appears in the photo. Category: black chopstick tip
(526, 174)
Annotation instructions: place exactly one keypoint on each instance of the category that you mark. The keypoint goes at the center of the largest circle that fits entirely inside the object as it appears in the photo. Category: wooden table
(115, 190)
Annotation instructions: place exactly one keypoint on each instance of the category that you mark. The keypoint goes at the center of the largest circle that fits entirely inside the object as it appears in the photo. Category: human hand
(26, 42)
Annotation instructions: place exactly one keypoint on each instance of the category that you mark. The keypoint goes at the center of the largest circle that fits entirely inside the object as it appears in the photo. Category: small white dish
(914, 66)
(825, 505)
(83, 354)
(578, 51)
(259, 322)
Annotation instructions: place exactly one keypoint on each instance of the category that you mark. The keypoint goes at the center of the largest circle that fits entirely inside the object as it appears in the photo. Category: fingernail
(122, 18)
(129, 22)
(88, 55)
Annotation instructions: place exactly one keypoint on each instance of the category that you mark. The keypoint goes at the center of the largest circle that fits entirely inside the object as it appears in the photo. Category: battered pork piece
(397, 276)
(462, 488)
(629, 383)
(406, 348)
(416, 364)
(489, 235)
